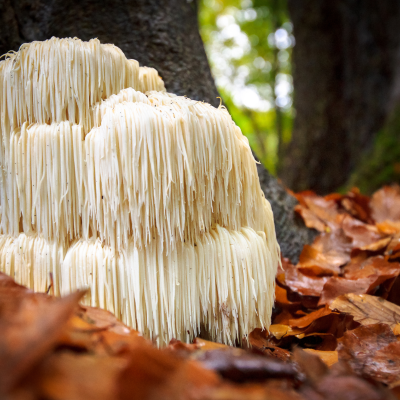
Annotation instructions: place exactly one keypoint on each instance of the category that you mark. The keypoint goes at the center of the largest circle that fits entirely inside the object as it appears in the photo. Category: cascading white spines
(149, 200)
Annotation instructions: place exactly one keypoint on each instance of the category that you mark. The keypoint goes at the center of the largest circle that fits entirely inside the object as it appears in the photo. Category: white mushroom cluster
(149, 200)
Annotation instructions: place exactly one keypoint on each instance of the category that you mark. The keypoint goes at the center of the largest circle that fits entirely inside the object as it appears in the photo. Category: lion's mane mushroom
(149, 200)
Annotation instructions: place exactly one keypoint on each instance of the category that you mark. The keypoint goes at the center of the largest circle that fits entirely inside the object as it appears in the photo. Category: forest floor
(335, 331)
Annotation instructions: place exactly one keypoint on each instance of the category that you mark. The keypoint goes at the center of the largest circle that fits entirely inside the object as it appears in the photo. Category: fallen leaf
(308, 286)
(368, 309)
(379, 245)
(161, 374)
(206, 345)
(328, 357)
(361, 233)
(237, 366)
(310, 219)
(309, 318)
(279, 331)
(357, 205)
(30, 332)
(282, 300)
(327, 254)
(385, 204)
(337, 382)
(378, 267)
(65, 376)
(372, 351)
(388, 227)
(337, 286)
(259, 339)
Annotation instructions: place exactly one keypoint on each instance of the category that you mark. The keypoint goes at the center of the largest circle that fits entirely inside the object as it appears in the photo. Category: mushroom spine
(149, 200)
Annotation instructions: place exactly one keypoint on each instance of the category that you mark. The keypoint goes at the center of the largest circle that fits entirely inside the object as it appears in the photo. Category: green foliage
(249, 46)
(381, 165)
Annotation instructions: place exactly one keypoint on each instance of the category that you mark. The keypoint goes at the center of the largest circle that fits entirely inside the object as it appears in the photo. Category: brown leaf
(388, 227)
(372, 351)
(318, 213)
(237, 366)
(328, 357)
(310, 219)
(385, 204)
(303, 284)
(312, 365)
(357, 205)
(361, 233)
(206, 345)
(337, 382)
(65, 376)
(326, 255)
(30, 326)
(379, 245)
(259, 339)
(161, 374)
(282, 300)
(368, 309)
(309, 318)
(337, 286)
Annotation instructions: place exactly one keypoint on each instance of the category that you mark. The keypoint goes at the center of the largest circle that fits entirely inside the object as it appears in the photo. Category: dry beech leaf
(310, 219)
(377, 246)
(388, 227)
(303, 284)
(337, 286)
(372, 351)
(378, 267)
(29, 328)
(279, 331)
(361, 233)
(357, 205)
(305, 321)
(206, 345)
(368, 309)
(336, 382)
(385, 204)
(282, 300)
(67, 375)
(259, 339)
(318, 212)
(239, 366)
(326, 255)
(328, 357)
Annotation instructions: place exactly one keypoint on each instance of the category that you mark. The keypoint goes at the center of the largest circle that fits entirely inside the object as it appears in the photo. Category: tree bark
(345, 73)
(159, 33)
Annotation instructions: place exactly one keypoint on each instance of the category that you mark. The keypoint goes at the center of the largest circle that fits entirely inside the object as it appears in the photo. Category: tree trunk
(346, 65)
(158, 33)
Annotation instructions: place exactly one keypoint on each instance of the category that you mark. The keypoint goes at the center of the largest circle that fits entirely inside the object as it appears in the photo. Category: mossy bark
(345, 74)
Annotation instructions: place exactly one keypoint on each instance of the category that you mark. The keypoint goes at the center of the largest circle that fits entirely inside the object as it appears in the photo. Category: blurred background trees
(313, 84)
(249, 44)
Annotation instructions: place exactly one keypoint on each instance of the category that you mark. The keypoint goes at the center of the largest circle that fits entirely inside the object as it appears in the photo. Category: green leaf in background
(248, 44)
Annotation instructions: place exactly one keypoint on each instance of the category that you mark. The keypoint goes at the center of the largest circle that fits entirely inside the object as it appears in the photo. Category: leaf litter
(335, 328)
